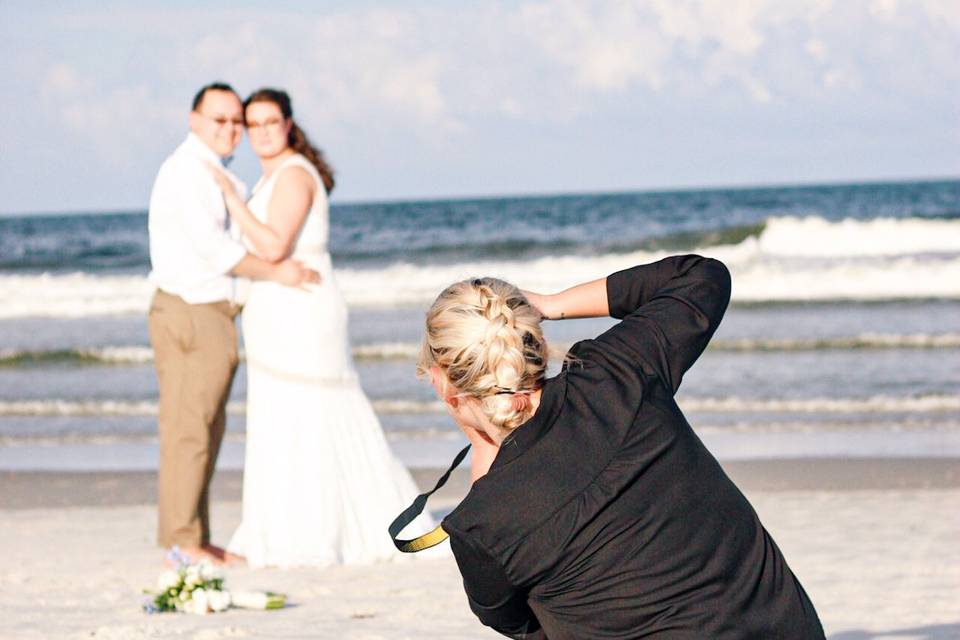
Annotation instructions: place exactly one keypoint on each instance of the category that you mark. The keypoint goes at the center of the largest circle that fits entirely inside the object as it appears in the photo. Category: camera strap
(409, 514)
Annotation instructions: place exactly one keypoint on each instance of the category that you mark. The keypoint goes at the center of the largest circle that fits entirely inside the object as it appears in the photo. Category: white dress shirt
(193, 246)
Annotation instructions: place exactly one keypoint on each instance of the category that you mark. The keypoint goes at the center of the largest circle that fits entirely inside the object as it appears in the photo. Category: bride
(320, 483)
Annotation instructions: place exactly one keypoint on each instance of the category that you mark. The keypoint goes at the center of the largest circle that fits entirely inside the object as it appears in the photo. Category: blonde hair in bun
(486, 338)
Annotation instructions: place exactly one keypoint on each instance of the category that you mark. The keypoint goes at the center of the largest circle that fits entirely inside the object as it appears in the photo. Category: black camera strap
(409, 514)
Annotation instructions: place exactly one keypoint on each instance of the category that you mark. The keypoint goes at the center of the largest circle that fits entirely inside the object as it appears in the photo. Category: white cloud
(435, 75)
(883, 9)
(816, 48)
(376, 61)
(607, 46)
(131, 113)
(944, 12)
(433, 69)
(733, 24)
(62, 80)
(727, 24)
(369, 66)
(838, 78)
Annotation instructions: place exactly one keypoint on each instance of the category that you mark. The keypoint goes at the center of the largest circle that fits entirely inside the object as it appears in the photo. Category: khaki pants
(195, 352)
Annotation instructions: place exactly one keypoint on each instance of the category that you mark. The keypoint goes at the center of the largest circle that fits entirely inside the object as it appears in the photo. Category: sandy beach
(874, 542)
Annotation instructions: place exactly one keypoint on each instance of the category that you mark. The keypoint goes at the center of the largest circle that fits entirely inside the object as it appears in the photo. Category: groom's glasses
(223, 121)
(271, 126)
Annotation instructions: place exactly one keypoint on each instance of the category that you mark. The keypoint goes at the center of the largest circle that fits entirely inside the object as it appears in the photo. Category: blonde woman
(595, 511)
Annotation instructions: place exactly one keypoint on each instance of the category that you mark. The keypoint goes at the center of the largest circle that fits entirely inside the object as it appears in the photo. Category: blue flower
(175, 556)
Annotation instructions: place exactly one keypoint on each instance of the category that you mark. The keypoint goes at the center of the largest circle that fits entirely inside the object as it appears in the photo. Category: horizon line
(547, 194)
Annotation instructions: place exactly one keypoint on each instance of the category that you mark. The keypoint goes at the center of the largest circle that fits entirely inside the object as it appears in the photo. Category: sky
(461, 99)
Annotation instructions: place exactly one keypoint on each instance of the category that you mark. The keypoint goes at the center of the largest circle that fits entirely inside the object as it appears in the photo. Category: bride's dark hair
(297, 139)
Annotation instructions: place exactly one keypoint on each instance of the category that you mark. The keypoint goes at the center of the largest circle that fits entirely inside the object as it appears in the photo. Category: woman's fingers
(221, 179)
(307, 275)
(537, 301)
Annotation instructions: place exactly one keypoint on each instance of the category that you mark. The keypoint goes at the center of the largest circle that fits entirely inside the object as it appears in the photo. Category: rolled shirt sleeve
(670, 310)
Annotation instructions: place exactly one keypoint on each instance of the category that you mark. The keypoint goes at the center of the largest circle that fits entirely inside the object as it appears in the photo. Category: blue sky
(436, 99)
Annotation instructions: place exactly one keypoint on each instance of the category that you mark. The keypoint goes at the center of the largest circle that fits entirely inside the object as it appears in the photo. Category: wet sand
(44, 489)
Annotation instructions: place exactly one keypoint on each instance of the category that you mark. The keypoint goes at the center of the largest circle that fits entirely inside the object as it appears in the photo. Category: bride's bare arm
(286, 212)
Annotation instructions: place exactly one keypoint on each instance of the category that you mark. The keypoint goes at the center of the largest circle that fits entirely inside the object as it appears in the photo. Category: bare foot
(193, 555)
(208, 552)
(224, 556)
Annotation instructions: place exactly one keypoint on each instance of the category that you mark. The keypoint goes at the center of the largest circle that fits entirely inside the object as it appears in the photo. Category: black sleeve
(670, 310)
(492, 598)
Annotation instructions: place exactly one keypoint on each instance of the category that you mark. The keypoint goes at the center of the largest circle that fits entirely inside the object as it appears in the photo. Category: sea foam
(790, 259)
(878, 404)
(379, 351)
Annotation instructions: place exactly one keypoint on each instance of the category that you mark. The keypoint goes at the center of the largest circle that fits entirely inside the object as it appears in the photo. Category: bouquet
(198, 588)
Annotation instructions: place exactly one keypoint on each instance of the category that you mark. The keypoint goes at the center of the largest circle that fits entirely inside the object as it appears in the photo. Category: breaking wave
(786, 259)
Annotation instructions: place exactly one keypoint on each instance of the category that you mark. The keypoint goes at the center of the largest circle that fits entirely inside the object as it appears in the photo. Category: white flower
(195, 607)
(168, 580)
(192, 588)
(219, 600)
(210, 572)
(199, 602)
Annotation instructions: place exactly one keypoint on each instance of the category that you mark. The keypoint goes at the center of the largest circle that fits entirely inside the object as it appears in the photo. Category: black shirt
(604, 516)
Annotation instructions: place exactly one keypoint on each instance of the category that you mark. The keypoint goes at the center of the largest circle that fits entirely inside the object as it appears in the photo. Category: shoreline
(20, 490)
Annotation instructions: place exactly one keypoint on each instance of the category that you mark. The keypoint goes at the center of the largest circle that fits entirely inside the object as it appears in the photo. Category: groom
(200, 269)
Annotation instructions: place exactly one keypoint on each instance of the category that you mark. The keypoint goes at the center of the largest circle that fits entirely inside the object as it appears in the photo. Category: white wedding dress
(320, 484)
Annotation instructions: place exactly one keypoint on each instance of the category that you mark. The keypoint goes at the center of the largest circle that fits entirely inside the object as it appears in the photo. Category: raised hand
(539, 302)
(225, 183)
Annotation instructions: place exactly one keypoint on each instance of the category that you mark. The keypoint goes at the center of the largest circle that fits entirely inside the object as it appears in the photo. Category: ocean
(842, 339)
